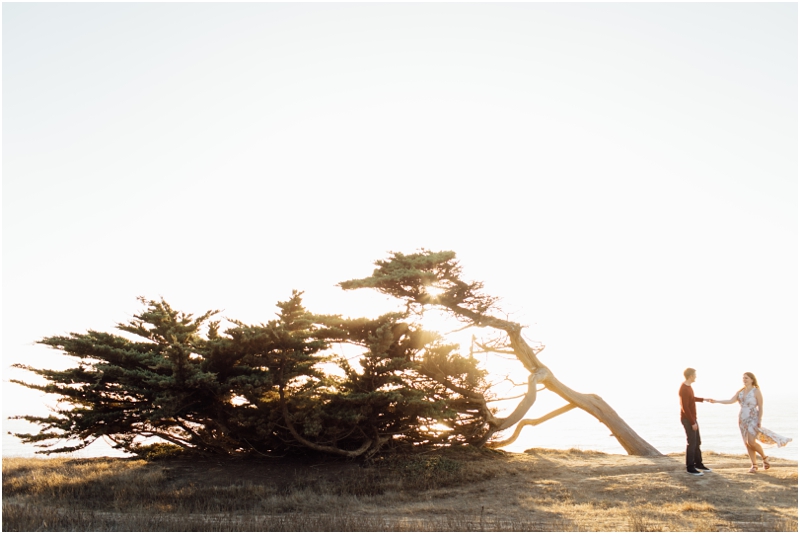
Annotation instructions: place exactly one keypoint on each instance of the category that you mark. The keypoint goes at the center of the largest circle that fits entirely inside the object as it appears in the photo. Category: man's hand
(694, 426)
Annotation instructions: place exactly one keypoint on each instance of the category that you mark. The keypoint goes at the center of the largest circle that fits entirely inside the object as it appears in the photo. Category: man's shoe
(694, 472)
(703, 468)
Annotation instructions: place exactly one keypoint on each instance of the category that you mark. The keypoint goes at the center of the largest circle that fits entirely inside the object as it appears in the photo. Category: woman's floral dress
(748, 422)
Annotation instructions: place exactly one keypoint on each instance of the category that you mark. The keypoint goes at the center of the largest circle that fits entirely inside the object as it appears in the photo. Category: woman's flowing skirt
(764, 435)
(770, 438)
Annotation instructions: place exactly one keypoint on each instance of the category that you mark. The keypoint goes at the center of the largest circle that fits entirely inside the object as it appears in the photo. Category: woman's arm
(729, 401)
(760, 401)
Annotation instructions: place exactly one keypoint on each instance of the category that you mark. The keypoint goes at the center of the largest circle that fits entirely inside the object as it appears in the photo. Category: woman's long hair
(753, 378)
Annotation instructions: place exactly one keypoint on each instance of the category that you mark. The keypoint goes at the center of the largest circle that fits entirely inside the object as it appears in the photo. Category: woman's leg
(750, 452)
(756, 448)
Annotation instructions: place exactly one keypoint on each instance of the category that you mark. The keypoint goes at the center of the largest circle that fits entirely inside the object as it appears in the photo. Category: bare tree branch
(311, 445)
(530, 422)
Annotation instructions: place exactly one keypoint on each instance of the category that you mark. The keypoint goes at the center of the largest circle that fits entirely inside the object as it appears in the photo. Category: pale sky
(623, 175)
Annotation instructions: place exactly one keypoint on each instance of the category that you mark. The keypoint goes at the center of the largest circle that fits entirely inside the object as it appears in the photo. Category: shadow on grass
(656, 494)
(556, 491)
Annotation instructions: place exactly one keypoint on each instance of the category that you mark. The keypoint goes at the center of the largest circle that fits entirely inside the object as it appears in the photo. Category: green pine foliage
(410, 278)
(272, 388)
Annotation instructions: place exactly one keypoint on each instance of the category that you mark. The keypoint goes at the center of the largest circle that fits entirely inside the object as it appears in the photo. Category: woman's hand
(712, 401)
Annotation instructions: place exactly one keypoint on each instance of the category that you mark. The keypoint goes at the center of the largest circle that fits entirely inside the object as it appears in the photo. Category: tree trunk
(596, 406)
(590, 403)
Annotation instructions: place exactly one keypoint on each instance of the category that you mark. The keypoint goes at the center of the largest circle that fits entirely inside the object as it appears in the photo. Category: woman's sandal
(753, 469)
(765, 462)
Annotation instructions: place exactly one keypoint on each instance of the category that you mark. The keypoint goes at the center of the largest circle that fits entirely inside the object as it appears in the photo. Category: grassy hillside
(461, 490)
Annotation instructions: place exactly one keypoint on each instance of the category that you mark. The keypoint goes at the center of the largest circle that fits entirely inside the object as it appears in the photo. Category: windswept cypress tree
(279, 386)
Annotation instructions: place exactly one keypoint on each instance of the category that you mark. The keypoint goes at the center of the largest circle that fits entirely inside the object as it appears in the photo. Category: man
(694, 458)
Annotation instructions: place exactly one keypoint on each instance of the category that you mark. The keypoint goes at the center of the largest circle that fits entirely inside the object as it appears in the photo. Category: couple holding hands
(752, 410)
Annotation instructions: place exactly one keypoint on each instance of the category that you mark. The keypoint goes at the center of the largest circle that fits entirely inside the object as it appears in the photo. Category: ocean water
(656, 422)
(659, 424)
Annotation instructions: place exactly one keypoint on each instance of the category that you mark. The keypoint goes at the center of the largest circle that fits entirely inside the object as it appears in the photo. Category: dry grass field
(453, 490)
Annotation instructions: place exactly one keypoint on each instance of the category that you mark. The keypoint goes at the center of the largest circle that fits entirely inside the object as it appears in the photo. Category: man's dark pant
(693, 455)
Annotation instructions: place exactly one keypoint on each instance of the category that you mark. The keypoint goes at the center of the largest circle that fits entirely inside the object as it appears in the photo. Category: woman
(752, 402)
